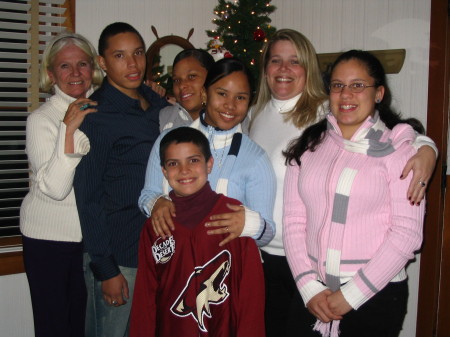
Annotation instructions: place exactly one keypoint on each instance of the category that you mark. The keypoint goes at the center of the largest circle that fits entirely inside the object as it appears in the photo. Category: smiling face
(227, 101)
(188, 80)
(124, 62)
(71, 71)
(352, 109)
(185, 168)
(285, 77)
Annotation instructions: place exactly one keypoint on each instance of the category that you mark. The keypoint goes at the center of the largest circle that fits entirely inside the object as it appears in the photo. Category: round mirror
(167, 54)
(160, 56)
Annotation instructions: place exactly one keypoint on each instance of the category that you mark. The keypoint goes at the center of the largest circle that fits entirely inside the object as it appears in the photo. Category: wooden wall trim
(443, 326)
(70, 15)
(11, 263)
(437, 121)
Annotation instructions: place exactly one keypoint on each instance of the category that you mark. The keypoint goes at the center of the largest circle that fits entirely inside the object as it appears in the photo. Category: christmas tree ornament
(225, 15)
(217, 50)
(259, 35)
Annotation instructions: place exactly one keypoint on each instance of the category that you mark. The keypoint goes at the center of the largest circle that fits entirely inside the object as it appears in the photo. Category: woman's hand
(75, 114)
(422, 164)
(318, 306)
(162, 212)
(171, 99)
(338, 304)
(232, 223)
(115, 291)
(156, 87)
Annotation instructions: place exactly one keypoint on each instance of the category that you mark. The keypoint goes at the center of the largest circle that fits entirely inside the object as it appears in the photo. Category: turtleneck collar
(192, 209)
(61, 100)
(70, 99)
(282, 106)
(373, 123)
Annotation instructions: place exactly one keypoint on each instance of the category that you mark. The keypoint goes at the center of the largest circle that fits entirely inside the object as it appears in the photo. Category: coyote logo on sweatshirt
(205, 286)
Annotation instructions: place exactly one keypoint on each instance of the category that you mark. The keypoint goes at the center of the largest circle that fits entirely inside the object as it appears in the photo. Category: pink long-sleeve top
(346, 213)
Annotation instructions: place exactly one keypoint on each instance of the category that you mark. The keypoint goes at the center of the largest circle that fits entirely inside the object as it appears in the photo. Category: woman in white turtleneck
(291, 97)
(52, 240)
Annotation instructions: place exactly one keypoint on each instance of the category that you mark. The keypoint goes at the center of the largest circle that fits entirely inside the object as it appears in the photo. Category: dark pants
(58, 291)
(381, 316)
(280, 294)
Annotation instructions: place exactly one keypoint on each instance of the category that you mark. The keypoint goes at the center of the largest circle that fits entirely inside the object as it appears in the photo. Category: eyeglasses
(355, 88)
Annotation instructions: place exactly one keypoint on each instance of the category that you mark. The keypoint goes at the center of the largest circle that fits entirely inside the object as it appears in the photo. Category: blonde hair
(313, 96)
(59, 42)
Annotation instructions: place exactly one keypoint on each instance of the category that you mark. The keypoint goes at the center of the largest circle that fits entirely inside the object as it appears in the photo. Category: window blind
(25, 27)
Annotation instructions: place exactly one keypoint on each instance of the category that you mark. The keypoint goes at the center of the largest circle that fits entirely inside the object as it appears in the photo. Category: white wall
(331, 25)
(170, 17)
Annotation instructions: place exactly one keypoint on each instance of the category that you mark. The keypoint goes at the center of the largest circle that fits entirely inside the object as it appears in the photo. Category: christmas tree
(163, 80)
(244, 26)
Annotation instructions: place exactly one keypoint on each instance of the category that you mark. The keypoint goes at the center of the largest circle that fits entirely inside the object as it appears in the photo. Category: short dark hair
(202, 56)
(112, 30)
(184, 134)
(225, 67)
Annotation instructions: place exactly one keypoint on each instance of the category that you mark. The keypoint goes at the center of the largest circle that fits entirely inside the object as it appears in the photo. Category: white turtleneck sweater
(273, 134)
(49, 210)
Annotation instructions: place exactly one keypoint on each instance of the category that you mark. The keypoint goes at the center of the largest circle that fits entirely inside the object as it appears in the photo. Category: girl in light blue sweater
(241, 169)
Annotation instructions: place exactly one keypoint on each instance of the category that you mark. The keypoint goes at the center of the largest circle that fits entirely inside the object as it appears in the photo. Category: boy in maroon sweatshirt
(186, 284)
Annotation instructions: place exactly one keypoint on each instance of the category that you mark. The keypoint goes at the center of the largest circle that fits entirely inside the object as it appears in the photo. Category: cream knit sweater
(49, 211)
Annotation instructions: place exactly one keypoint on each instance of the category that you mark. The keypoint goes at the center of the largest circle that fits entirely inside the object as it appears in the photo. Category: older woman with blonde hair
(52, 247)
(290, 97)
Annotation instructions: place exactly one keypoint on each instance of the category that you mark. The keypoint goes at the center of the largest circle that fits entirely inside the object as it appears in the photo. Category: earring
(377, 100)
(203, 103)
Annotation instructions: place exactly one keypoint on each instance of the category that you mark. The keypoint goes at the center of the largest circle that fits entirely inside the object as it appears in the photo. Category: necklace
(280, 107)
(210, 131)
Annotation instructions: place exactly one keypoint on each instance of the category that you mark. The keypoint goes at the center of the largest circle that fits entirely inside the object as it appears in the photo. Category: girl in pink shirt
(349, 229)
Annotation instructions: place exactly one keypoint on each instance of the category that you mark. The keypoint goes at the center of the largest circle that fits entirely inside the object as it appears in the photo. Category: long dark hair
(225, 67)
(314, 135)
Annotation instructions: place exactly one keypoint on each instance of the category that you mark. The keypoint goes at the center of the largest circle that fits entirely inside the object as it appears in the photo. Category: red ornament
(259, 35)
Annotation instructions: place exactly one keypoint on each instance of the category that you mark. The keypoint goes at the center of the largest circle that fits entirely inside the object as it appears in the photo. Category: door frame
(434, 290)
